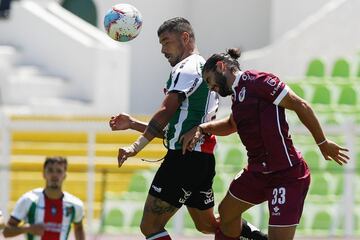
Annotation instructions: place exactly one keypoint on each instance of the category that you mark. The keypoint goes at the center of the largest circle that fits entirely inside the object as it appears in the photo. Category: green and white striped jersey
(200, 104)
(31, 209)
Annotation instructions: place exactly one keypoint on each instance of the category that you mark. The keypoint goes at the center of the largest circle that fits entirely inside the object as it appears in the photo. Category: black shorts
(185, 179)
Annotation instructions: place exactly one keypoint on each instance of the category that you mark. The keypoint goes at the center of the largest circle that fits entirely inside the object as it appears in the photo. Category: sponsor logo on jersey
(242, 93)
(209, 195)
(275, 89)
(186, 196)
(275, 211)
(271, 82)
(53, 227)
(194, 85)
(156, 189)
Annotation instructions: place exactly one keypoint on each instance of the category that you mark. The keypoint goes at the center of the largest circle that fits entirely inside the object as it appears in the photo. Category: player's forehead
(167, 36)
(55, 165)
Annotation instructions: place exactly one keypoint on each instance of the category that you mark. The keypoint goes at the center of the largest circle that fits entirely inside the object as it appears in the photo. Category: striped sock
(163, 235)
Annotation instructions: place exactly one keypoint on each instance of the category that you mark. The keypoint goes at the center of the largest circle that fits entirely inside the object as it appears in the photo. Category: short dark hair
(56, 159)
(177, 25)
(230, 58)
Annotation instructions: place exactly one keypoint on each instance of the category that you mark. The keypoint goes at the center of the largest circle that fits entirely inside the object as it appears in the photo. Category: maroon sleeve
(268, 86)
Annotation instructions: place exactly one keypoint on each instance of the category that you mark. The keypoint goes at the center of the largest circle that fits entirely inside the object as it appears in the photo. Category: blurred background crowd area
(62, 77)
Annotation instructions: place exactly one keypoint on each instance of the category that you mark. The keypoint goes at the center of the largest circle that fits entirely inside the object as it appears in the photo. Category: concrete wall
(217, 26)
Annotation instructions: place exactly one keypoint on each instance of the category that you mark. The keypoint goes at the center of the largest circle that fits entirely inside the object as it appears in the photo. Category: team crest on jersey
(53, 210)
(241, 95)
(68, 211)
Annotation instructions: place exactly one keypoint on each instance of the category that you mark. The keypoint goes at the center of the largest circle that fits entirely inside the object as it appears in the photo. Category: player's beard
(221, 82)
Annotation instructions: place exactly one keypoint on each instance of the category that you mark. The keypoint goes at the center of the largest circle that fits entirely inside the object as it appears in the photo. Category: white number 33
(278, 196)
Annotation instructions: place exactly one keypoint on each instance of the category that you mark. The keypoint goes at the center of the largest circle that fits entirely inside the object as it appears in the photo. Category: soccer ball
(123, 22)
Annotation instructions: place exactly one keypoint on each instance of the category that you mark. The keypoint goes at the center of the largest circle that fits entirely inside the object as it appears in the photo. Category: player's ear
(185, 37)
(220, 66)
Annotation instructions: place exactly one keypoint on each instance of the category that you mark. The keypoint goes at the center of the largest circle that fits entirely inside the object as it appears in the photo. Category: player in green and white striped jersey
(183, 178)
(48, 213)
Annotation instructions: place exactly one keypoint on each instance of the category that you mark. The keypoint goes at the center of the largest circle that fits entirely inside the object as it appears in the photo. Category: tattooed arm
(162, 117)
(155, 127)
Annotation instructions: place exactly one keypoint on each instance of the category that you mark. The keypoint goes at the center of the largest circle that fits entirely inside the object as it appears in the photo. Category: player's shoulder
(33, 194)
(192, 64)
(72, 199)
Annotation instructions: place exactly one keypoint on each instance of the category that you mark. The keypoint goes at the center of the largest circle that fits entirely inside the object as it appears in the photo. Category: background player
(48, 212)
(276, 172)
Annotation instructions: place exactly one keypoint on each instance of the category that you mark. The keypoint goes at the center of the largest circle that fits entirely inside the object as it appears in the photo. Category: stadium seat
(218, 184)
(136, 219)
(348, 95)
(322, 221)
(312, 158)
(316, 68)
(341, 68)
(297, 87)
(322, 95)
(235, 158)
(115, 218)
(319, 184)
(138, 183)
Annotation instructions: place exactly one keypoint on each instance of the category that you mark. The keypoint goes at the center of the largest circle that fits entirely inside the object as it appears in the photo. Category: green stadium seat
(316, 68)
(319, 184)
(348, 95)
(297, 88)
(138, 183)
(341, 68)
(339, 184)
(322, 221)
(218, 184)
(234, 158)
(322, 95)
(115, 218)
(312, 158)
(136, 219)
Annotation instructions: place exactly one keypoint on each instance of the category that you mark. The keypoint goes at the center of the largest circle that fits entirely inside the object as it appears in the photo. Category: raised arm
(329, 149)
(155, 127)
(124, 121)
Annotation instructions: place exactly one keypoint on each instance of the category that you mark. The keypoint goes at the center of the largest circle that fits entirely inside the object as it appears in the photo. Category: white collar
(236, 81)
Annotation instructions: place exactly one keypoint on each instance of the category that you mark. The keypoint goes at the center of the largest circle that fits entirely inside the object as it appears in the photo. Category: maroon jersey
(261, 123)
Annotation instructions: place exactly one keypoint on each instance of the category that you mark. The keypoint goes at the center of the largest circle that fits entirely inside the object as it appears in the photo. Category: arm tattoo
(155, 128)
(158, 207)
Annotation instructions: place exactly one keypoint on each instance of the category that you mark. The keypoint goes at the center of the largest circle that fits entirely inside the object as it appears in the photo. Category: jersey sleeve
(79, 212)
(186, 82)
(270, 88)
(22, 207)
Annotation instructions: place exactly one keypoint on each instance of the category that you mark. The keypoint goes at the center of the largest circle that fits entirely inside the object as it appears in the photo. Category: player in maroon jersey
(276, 171)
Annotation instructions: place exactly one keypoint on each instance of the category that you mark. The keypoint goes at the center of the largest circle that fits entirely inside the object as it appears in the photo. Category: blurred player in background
(48, 212)
(182, 179)
(276, 171)
(2, 223)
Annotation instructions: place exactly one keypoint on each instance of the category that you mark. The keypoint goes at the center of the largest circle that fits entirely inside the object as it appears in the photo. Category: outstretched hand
(120, 122)
(189, 139)
(332, 151)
